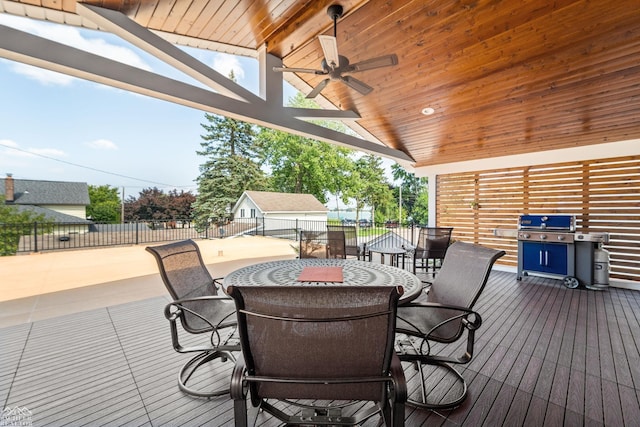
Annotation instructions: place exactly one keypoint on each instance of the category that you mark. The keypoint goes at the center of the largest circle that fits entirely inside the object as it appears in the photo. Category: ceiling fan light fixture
(427, 111)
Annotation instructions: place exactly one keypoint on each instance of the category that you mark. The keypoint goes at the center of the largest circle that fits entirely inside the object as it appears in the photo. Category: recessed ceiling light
(428, 111)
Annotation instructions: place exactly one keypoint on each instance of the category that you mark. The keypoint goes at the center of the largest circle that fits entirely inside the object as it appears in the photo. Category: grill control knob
(526, 235)
(543, 237)
(561, 237)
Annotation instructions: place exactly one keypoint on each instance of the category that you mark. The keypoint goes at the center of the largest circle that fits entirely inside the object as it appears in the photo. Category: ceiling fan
(335, 65)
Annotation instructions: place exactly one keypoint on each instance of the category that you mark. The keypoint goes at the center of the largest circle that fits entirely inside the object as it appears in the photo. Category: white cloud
(8, 143)
(69, 36)
(41, 75)
(224, 64)
(13, 149)
(102, 144)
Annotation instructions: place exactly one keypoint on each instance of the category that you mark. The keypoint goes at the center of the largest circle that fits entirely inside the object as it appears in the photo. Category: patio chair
(324, 244)
(351, 240)
(313, 244)
(199, 309)
(302, 344)
(336, 247)
(431, 246)
(442, 316)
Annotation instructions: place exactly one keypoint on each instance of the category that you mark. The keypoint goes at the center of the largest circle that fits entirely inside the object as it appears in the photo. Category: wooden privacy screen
(604, 195)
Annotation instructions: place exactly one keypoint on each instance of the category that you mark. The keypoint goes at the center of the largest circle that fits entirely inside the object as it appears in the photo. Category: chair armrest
(470, 319)
(399, 380)
(176, 310)
(180, 309)
(217, 281)
(236, 387)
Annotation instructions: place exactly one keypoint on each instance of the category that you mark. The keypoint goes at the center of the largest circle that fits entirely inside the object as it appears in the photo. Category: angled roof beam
(125, 28)
(33, 50)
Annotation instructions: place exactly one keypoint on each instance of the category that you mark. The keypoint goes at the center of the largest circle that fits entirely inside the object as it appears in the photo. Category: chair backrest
(185, 276)
(462, 277)
(336, 244)
(313, 244)
(433, 242)
(324, 332)
(350, 238)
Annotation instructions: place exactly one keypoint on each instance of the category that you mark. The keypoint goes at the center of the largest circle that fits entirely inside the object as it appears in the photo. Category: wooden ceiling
(504, 77)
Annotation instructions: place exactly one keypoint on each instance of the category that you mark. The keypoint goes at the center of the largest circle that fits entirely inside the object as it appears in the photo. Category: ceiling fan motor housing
(335, 11)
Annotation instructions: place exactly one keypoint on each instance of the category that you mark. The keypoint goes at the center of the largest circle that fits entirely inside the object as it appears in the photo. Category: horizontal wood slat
(604, 195)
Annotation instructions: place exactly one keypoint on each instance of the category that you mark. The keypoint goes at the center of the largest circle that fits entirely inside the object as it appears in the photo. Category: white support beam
(271, 85)
(33, 50)
(120, 25)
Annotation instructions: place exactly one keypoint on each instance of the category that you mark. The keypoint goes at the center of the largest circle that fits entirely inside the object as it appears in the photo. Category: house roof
(51, 215)
(270, 202)
(32, 192)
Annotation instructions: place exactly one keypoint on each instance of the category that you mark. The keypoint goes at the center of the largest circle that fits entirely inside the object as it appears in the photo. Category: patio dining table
(354, 273)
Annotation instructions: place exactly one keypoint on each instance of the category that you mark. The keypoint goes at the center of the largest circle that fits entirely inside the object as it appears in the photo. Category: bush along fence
(48, 236)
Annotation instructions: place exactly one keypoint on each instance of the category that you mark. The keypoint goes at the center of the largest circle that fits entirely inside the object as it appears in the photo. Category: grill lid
(547, 222)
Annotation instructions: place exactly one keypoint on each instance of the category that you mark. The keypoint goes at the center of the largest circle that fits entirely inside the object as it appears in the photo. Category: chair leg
(189, 368)
(240, 412)
(449, 404)
(398, 414)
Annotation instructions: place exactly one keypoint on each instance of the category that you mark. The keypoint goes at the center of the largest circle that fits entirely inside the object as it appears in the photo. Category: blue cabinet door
(556, 259)
(545, 257)
(532, 256)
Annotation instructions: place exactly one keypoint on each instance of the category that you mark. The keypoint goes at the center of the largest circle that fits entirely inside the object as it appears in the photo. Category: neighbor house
(268, 204)
(58, 201)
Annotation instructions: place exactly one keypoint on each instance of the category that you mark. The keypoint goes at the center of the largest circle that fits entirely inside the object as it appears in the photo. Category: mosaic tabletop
(355, 273)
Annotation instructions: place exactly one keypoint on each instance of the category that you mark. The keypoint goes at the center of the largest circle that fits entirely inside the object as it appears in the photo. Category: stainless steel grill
(549, 246)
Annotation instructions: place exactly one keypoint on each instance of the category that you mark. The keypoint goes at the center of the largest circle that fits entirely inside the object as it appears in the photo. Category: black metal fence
(40, 237)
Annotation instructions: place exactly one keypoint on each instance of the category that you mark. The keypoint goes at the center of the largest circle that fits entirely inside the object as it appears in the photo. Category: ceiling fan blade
(298, 70)
(330, 50)
(379, 62)
(356, 84)
(316, 90)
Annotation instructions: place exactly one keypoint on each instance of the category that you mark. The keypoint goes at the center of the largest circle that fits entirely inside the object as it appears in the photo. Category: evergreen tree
(229, 169)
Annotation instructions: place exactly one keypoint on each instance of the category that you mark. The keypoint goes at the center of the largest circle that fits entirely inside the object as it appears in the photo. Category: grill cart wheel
(570, 282)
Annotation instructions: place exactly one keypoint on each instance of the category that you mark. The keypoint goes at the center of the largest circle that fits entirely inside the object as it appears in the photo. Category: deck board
(544, 355)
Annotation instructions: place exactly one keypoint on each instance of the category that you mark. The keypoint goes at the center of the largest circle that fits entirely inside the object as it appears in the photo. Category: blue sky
(56, 127)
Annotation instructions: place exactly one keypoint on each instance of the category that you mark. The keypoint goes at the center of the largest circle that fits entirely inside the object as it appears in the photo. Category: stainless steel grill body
(545, 246)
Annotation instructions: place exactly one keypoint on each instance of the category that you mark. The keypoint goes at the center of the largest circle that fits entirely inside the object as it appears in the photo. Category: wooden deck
(545, 355)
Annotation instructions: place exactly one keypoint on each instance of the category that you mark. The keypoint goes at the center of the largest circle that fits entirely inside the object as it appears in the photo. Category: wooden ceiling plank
(224, 25)
(175, 16)
(159, 17)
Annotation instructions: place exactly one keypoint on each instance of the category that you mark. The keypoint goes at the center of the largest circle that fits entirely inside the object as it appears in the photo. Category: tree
(180, 204)
(104, 204)
(154, 204)
(15, 224)
(304, 165)
(368, 184)
(415, 200)
(230, 148)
